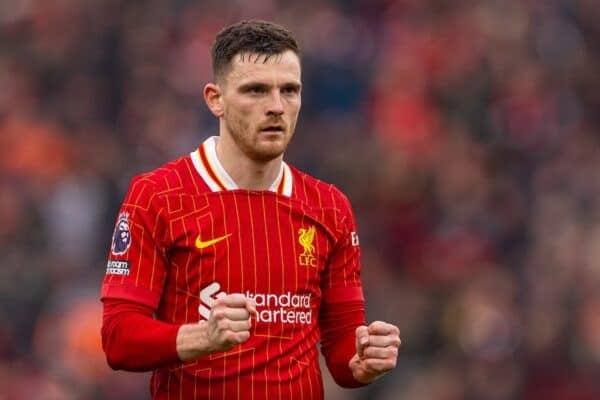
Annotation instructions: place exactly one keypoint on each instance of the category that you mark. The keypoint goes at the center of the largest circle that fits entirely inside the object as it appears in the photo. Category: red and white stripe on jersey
(211, 170)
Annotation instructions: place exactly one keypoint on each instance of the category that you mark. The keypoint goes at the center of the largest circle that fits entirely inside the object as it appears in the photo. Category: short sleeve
(137, 265)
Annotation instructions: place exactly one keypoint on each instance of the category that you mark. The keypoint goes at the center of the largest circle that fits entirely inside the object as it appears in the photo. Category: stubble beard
(249, 142)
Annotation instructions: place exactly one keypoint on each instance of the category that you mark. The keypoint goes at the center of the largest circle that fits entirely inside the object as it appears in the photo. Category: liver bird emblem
(306, 238)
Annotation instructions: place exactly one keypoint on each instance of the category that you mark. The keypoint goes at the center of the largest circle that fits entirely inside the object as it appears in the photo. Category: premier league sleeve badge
(121, 239)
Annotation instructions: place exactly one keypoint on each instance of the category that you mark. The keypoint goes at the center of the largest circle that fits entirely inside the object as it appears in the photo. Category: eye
(290, 90)
(256, 89)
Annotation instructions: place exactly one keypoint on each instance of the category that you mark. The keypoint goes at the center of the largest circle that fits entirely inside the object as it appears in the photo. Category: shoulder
(166, 176)
(174, 177)
(316, 192)
(170, 177)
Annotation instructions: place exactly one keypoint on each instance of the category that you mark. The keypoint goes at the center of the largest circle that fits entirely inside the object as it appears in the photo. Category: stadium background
(464, 132)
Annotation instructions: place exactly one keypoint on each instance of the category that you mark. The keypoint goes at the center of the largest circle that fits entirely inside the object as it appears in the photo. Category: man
(228, 266)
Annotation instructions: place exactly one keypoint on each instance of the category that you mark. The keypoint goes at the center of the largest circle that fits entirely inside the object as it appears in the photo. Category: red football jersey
(186, 235)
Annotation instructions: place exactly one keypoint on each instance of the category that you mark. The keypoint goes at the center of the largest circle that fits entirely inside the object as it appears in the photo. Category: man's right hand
(228, 325)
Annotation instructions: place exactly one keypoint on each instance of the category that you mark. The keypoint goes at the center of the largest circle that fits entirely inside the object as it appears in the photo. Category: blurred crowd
(465, 133)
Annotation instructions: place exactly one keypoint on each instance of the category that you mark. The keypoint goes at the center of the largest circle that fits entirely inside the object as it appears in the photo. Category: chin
(268, 153)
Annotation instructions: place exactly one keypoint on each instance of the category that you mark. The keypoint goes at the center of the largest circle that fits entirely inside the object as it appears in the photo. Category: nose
(275, 106)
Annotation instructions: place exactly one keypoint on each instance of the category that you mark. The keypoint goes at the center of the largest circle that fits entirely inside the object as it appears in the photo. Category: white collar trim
(211, 170)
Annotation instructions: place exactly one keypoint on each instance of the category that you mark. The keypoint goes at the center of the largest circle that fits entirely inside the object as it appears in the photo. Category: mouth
(272, 129)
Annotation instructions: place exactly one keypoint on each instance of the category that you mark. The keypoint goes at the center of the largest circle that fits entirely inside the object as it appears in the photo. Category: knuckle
(220, 302)
(229, 337)
(243, 336)
(223, 324)
(243, 315)
(371, 364)
(218, 313)
(239, 326)
(389, 365)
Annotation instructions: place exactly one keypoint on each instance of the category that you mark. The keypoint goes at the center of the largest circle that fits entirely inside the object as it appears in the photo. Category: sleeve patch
(121, 239)
(117, 267)
(354, 238)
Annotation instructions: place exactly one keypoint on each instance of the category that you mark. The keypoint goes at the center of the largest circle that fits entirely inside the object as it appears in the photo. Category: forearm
(338, 324)
(193, 341)
(134, 341)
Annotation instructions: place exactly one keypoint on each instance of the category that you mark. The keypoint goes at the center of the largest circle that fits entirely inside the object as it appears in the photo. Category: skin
(257, 93)
(376, 351)
(257, 103)
(228, 325)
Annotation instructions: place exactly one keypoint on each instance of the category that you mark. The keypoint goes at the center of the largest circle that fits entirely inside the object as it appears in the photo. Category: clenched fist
(376, 351)
(228, 325)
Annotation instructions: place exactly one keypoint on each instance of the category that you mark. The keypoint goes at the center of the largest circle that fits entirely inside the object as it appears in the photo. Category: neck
(246, 173)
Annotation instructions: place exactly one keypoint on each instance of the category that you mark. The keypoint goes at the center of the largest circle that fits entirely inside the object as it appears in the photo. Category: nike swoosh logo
(204, 244)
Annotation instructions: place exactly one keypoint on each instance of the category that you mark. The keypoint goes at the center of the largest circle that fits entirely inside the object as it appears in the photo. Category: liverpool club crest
(306, 236)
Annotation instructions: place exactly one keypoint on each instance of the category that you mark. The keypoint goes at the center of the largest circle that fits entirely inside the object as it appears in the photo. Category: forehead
(247, 67)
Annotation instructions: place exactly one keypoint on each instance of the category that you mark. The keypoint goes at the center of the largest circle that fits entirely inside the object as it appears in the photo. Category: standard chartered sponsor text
(287, 308)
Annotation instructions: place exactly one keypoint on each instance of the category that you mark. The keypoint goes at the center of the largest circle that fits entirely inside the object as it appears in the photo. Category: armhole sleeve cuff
(135, 294)
(343, 294)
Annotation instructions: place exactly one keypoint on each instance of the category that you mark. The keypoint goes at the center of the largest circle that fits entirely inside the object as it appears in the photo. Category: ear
(214, 99)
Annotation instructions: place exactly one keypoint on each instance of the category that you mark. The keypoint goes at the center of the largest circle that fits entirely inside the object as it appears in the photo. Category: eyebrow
(253, 85)
(292, 85)
(261, 85)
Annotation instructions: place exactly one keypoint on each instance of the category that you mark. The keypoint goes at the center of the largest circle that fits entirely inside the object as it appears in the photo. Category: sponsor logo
(354, 238)
(114, 267)
(121, 239)
(288, 308)
(208, 296)
(306, 237)
(200, 244)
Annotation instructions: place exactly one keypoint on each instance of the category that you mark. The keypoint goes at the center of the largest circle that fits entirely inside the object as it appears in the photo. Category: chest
(245, 242)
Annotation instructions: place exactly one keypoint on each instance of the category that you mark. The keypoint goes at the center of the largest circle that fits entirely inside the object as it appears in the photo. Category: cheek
(245, 114)
(293, 107)
(237, 121)
(293, 113)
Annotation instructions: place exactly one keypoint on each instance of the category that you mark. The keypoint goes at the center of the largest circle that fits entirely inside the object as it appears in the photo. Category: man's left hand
(376, 351)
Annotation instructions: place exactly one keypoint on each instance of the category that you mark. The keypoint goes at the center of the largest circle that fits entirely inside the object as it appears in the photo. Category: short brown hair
(253, 36)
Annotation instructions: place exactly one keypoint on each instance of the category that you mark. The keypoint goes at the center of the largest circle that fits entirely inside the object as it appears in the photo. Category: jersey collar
(211, 170)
